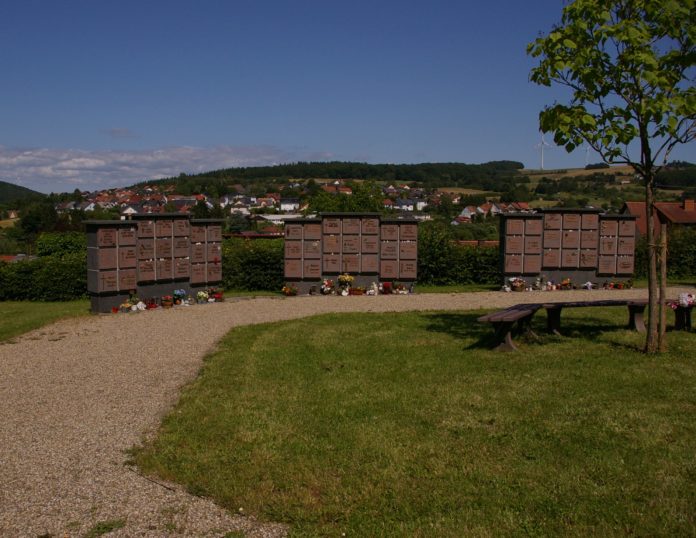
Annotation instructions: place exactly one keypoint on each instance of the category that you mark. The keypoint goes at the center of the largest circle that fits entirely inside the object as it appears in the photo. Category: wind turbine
(587, 155)
(540, 146)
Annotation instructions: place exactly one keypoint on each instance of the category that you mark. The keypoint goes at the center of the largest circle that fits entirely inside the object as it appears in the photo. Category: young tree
(629, 68)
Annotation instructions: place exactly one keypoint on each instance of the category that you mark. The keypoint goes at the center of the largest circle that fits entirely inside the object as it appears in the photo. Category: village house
(671, 213)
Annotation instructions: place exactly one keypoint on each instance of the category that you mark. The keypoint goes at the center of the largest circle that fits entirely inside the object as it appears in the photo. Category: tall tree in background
(629, 69)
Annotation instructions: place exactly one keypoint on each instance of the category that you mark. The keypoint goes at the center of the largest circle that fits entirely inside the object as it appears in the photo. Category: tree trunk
(661, 338)
(651, 341)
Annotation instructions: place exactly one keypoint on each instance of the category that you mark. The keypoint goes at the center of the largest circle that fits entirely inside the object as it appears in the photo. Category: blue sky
(98, 94)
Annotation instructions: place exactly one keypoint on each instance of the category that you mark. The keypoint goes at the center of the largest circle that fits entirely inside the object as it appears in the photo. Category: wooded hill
(9, 192)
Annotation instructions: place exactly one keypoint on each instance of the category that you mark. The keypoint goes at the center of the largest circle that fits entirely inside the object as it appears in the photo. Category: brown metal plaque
(127, 257)
(389, 232)
(408, 250)
(590, 221)
(571, 239)
(570, 258)
(607, 245)
(408, 269)
(331, 226)
(127, 279)
(182, 268)
(332, 243)
(198, 273)
(293, 231)
(214, 272)
(589, 239)
(312, 269)
(552, 239)
(293, 268)
(198, 253)
(390, 250)
(351, 226)
(182, 227)
(146, 270)
(370, 244)
(533, 226)
(331, 263)
(588, 259)
(606, 265)
(351, 244)
(627, 228)
(146, 249)
(532, 245)
(553, 221)
(293, 249)
(626, 245)
(624, 265)
(514, 244)
(514, 227)
(608, 227)
(312, 249)
(107, 281)
(350, 263)
(532, 264)
(389, 269)
(214, 233)
(370, 226)
(197, 234)
(312, 231)
(181, 246)
(513, 264)
(126, 237)
(370, 263)
(106, 258)
(146, 228)
(107, 237)
(214, 252)
(164, 228)
(163, 247)
(408, 232)
(552, 258)
(571, 221)
(165, 269)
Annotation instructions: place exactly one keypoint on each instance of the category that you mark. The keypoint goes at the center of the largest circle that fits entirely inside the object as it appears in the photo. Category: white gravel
(75, 395)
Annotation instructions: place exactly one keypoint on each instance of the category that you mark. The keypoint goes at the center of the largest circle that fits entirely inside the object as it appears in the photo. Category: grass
(17, 317)
(408, 425)
(105, 527)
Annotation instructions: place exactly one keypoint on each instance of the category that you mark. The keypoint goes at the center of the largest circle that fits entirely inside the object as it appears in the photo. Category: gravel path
(75, 395)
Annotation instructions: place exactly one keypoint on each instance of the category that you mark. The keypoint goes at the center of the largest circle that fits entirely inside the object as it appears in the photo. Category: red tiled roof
(671, 212)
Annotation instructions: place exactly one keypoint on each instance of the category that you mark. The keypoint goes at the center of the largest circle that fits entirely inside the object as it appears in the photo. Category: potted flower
(289, 290)
(179, 296)
(385, 288)
(216, 295)
(517, 283)
(566, 284)
(327, 287)
(202, 297)
(167, 301)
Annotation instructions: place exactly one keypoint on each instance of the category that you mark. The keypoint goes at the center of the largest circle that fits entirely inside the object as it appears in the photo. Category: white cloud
(63, 170)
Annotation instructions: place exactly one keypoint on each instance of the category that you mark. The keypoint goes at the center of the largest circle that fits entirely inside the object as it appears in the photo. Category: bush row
(47, 278)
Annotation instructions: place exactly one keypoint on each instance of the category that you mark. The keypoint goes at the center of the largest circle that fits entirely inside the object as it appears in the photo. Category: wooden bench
(636, 310)
(504, 321)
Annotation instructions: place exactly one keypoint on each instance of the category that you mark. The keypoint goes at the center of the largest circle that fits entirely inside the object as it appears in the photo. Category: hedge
(48, 278)
(253, 265)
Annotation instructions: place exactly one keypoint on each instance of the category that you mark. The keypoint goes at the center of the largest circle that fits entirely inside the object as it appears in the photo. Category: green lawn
(17, 317)
(407, 425)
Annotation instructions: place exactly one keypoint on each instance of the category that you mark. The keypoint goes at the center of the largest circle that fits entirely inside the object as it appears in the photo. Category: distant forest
(9, 192)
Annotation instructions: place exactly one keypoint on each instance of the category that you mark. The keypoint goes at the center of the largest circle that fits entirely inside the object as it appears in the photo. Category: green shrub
(48, 278)
(59, 243)
(253, 265)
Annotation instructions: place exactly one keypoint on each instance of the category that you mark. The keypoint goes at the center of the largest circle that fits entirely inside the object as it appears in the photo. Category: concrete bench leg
(503, 336)
(636, 320)
(553, 320)
(682, 318)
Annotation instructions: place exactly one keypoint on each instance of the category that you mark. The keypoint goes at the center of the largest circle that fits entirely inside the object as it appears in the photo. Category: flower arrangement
(202, 296)
(327, 287)
(167, 301)
(345, 280)
(289, 290)
(179, 296)
(566, 284)
(624, 285)
(517, 283)
(216, 295)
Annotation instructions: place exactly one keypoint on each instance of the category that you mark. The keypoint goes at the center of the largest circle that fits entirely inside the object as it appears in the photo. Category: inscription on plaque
(182, 268)
(331, 263)
(198, 253)
(607, 245)
(214, 233)
(390, 250)
(408, 232)
(146, 270)
(351, 226)
(408, 251)
(107, 258)
(624, 265)
(312, 269)
(293, 231)
(532, 264)
(312, 249)
(127, 257)
(627, 227)
(164, 247)
(332, 243)
(606, 265)
(350, 263)
(197, 234)
(533, 227)
(552, 221)
(107, 237)
(370, 244)
(589, 239)
(146, 228)
(514, 226)
(164, 228)
(389, 269)
(513, 263)
(370, 263)
(127, 279)
(312, 231)
(165, 269)
(198, 273)
(588, 259)
(293, 268)
(571, 221)
(331, 226)
(626, 245)
(608, 227)
(214, 272)
(126, 237)
(107, 281)
(552, 239)
(181, 247)
(182, 227)
(407, 269)
(571, 239)
(552, 258)
(214, 252)
(590, 222)
(390, 232)
(146, 249)
(351, 244)
(370, 226)
(532, 245)
(514, 244)
(570, 258)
